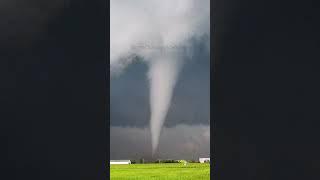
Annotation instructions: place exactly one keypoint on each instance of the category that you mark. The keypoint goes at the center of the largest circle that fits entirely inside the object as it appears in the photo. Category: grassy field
(164, 171)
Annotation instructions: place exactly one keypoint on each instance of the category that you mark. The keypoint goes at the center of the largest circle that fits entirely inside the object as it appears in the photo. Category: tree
(142, 161)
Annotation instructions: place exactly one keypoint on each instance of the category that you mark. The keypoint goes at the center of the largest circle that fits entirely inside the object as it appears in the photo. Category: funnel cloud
(160, 34)
(163, 76)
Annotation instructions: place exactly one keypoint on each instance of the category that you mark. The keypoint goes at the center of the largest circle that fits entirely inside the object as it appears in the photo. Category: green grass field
(165, 171)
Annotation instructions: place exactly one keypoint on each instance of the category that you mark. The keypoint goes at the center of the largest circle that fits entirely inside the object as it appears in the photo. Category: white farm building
(204, 160)
(120, 162)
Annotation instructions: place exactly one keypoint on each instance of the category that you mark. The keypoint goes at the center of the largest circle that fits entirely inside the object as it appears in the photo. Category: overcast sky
(188, 117)
(186, 132)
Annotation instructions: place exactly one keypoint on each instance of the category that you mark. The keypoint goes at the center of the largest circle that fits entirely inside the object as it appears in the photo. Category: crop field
(162, 171)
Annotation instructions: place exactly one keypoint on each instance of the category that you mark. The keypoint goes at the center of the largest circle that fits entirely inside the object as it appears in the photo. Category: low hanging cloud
(129, 96)
(178, 142)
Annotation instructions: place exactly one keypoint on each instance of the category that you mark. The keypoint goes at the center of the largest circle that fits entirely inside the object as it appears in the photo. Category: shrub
(133, 162)
(166, 161)
(182, 161)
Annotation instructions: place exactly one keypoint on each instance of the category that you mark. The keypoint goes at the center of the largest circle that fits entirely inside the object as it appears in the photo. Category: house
(204, 160)
(120, 162)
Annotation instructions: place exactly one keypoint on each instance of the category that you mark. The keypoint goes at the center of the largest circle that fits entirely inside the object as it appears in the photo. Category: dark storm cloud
(129, 94)
(179, 142)
(182, 136)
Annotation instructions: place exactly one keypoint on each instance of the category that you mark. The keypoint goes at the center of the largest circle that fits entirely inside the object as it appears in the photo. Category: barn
(120, 162)
(204, 160)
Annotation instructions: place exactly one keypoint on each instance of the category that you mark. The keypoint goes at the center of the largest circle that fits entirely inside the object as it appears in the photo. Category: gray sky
(179, 142)
(129, 95)
(188, 117)
(185, 133)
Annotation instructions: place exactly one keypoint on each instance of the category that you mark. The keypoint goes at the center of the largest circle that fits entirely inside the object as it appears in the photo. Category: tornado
(155, 32)
(162, 75)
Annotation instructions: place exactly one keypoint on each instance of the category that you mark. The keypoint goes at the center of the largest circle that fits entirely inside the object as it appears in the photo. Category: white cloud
(164, 23)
